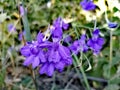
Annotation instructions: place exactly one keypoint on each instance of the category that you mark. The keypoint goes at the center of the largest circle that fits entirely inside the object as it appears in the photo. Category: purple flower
(57, 33)
(79, 45)
(20, 35)
(22, 10)
(31, 52)
(11, 27)
(65, 26)
(88, 5)
(50, 56)
(58, 22)
(57, 30)
(40, 37)
(96, 42)
(58, 57)
(112, 25)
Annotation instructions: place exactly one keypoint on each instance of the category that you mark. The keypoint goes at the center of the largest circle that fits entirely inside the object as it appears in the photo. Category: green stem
(111, 49)
(83, 73)
(53, 86)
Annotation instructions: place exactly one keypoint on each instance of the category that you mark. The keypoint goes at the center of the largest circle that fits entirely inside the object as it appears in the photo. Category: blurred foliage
(40, 15)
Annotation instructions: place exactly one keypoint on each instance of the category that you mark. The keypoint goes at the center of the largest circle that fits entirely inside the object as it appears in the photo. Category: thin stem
(95, 24)
(75, 65)
(83, 73)
(111, 49)
(34, 78)
(53, 86)
(106, 17)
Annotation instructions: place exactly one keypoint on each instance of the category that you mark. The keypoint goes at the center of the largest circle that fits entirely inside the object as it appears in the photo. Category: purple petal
(85, 48)
(95, 34)
(54, 56)
(83, 37)
(64, 52)
(20, 35)
(22, 11)
(34, 50)
(90, 42)
(87, 5)
(40, 37)
(60, 65)
(11, 27)
(50, 70)
(57, 57)
(65, 25)
(45, 44)
(43, 68)
(112, 25)
(51, 56)
(42, 56)
(28, 60)
(36, 62)
(97, 47)
(25, 51)
(57, 33)
(58, 22)
(68, 61)
(100, 41)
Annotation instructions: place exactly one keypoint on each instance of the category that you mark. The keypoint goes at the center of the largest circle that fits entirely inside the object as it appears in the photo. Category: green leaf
(112, 87)
(115, 80)
(115, 9)
(106, 68)
(26, 26)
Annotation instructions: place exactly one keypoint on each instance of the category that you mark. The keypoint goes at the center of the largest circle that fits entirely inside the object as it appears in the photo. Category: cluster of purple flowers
(95, 43)
(88, 5)
(79, 45)
(57, 30)
(52, 55)
(46, 54)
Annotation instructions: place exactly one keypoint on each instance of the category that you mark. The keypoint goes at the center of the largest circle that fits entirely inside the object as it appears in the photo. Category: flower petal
(101, 41)
(68, 61)
(50, 70)
(25, 51)
(28, 60)
(112, 25)
(64, 52)
(43, 68)
(65, 25)
(54, 56)
(60, 65)
(36, 62)
(40, 37)
(42, 56)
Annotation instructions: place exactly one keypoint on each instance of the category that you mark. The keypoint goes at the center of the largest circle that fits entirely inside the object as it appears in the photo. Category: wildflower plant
(53, 55)
(48, 53)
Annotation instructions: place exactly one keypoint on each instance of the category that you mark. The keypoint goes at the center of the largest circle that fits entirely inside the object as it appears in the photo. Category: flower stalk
(83, 73)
